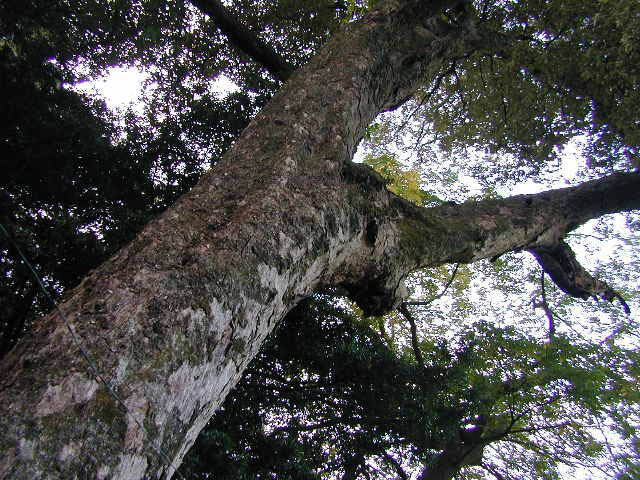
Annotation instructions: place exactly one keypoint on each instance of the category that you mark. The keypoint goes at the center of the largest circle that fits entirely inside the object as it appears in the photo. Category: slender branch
(587, 235)
(414, 334)
(604, 433)
(427, 96)
(493, 472)
(537, 448)
(441, 294)
(547, 310)
(384, 336)
(536, 429)
(308, 428)
(245, 40)
(396, 466)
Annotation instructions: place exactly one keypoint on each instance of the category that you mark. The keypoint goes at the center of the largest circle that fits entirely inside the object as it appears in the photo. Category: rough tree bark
(171, 321)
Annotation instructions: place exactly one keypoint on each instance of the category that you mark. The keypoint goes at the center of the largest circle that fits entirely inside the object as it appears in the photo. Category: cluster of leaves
(79, 182)
(402, 181)
(548, 72)
(357, 8)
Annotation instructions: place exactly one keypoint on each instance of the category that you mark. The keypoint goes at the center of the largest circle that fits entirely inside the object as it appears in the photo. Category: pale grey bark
(172, 320)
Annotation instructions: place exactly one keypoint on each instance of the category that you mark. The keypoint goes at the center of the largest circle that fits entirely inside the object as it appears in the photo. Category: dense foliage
(355, 404)
(462, 382)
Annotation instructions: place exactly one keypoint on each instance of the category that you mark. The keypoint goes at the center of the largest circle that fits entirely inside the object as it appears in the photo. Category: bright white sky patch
(224, 86)
(120, 87)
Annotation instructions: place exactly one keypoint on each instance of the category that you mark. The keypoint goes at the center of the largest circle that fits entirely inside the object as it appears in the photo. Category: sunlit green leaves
(404, 182)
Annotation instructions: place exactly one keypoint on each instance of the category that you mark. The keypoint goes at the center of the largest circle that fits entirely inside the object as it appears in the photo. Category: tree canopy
(486, 370)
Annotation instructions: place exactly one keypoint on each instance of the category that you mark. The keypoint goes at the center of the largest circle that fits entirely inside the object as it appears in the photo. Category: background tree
(165, 151)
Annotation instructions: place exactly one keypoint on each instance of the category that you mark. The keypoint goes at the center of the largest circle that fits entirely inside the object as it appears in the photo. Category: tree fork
(173, 319)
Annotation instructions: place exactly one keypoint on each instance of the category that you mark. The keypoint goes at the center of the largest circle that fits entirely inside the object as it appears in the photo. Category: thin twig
(441, 294)
(437, 82)
(492, 471)
(414, 334)
(404, 310)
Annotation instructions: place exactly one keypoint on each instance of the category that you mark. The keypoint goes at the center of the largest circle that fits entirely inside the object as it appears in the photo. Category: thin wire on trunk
(162, 456)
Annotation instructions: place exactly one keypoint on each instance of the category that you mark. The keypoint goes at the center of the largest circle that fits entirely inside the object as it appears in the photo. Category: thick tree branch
(457, 454)
(485, 229)
(560, 262)
(245, 40)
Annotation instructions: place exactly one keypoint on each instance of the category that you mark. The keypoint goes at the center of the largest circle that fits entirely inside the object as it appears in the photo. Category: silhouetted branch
(561, 264)
(414, 334)
(441, 294)
(244, 39)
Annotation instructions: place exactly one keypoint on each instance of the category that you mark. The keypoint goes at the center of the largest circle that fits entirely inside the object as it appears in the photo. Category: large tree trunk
(171, 321)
